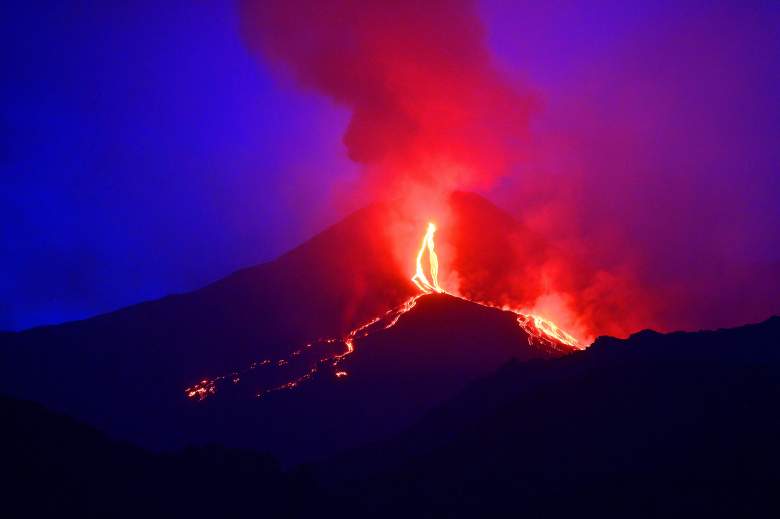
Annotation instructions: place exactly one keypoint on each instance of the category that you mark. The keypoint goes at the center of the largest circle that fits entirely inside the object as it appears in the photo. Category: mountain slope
(675, 425)
(125, 372)
(393, 377)
(682, 424)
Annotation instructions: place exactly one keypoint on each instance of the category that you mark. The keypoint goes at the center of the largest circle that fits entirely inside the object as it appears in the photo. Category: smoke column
(427, 105)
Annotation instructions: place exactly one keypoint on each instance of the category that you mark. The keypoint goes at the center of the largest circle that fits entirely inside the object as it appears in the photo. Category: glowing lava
(539, 330)
(419, 278)
(208, 387)
(537, 327)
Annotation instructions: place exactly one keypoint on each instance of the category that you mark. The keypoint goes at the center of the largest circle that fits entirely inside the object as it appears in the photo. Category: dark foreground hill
(675, 425)
(681, 424)
(55, 466)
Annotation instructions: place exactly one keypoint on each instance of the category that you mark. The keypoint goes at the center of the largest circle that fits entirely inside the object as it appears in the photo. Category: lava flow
(419, 278)
(535, 326)
(538, 329)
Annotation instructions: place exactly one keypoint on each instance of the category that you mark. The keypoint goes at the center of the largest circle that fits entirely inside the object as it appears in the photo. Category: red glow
(428, 107)
(534, 325)
(419, 278)
(617, 250)
(538, 328)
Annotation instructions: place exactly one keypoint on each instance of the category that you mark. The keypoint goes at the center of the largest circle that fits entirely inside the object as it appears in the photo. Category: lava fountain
(419, 278)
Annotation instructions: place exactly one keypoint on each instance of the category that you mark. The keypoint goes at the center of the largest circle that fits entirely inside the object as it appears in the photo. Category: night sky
(146, 150)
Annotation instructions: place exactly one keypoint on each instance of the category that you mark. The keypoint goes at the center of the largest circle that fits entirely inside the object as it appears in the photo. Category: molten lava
(535, 326)
(419, 278)
(538, 329)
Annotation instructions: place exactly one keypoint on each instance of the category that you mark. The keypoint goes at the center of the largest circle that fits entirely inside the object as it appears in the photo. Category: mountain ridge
(687, 415)
(711, 448)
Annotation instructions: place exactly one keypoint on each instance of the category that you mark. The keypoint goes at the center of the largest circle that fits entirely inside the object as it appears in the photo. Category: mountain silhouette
(125, 372)
(438, 406)
(679, 424)
(393, 378)
(672, 425)
(59, 466)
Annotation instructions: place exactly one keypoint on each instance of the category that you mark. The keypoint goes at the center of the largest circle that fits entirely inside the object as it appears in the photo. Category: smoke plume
(629, 188)
(428, 106)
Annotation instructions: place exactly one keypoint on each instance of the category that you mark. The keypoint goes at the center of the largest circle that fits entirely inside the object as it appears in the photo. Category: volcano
(394, 393)
(264, 332)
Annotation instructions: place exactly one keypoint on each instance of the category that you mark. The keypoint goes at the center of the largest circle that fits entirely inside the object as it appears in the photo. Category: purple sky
(144, 151)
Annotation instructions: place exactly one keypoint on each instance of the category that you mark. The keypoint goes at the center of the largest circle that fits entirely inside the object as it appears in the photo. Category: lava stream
(419, 278)
(538, 329)
(208, 387)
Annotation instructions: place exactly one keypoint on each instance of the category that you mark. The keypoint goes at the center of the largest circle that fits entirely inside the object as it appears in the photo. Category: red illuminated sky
(148, 150)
